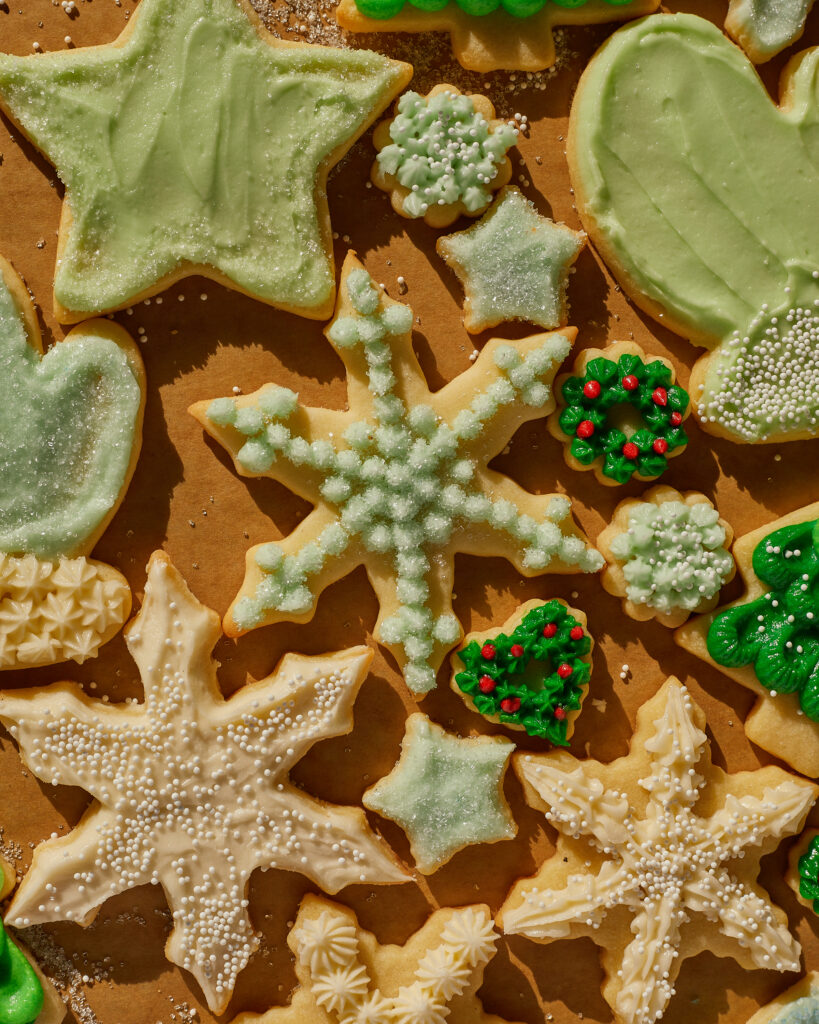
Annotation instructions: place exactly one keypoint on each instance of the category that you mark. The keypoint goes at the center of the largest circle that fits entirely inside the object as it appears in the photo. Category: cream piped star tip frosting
(345, 976)
(657, 857)
(196, 143)
(191, 790)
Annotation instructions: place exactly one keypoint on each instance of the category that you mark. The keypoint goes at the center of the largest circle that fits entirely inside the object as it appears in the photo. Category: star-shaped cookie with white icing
(658, 856)
(196, 143)
(192, 791)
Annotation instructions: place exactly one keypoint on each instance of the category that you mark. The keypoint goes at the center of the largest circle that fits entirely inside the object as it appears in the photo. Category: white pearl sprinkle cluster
(327, 946)
(766, 380)
(193, 792)
(673, 555)
(663, 861)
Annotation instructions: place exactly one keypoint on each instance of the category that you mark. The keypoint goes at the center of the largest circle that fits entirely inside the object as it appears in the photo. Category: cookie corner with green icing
(803, 869)
(531, 674)
(620, 413)
(442, 155)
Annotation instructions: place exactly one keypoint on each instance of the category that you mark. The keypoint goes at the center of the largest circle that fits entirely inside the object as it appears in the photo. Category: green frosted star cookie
(196, 143)
(446, 793)
(513, 264)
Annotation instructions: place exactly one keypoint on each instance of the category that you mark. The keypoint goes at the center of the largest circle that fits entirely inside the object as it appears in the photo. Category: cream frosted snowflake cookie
(797, 1005)
(445, 792)
(192, 791)
(346, 977)
(399, 481)
(668, 555)
(768, 639)
(442, 155)
(763, 28)
(513, 264)
(657, 857)
(70, 434)
(26, 994)
(196, 143)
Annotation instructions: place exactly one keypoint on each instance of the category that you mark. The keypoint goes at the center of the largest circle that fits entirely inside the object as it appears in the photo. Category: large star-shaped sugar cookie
(399, 480)
(658, 856)
(446, 793)
(196, 143)
(192, 791)
(347, 977)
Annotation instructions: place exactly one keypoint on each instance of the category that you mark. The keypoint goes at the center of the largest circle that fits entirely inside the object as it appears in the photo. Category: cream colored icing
(192, 791)
(195, 140)
(665, 863)
(58, 611)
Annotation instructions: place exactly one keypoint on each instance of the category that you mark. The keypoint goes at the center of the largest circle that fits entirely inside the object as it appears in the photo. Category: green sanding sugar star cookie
(196, 143)
(446, 793)
(513, 264)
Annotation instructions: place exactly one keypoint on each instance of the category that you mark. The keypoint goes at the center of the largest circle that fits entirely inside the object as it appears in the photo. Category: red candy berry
(660, 396)
(576, 633)
(564, 670)
(510, 705)
(560, 713)
(676, 419)
(591, 389)
(488, 651)
(549, 630)
(585, 428)
(630, 450)
(516, 651)
(630, 382)
(487, 684)
(660, 446)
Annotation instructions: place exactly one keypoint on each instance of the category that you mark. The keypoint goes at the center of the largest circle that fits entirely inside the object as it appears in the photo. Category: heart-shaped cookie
(701, 196)
(70, 428)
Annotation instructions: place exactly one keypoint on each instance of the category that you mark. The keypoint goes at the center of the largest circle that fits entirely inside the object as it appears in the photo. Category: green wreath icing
(383, 9)
(533, 687)
(778, 633)
(646, 387)
(21, 994)
(809, 874)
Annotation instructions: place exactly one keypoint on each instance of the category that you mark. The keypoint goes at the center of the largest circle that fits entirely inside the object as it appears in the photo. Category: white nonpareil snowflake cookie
(347, 977)
(192, 791)
(400, 481)
(657, 857)
(668, 555)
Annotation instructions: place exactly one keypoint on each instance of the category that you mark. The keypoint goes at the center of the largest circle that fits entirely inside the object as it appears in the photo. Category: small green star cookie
(446, 793)
(513, 264)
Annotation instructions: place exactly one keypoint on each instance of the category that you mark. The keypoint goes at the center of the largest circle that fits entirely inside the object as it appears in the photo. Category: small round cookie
(442, 155)
(620, 414)
(797, 1005)
(668, 555)
(532, 673)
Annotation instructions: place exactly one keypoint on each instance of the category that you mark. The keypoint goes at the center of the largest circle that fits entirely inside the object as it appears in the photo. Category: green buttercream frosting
(703, 193)
(778, 633)
(444, 151)
(477, 8)
(809, 877)
(195, 141)
(68, 425)
(21, 994)
(673, 555)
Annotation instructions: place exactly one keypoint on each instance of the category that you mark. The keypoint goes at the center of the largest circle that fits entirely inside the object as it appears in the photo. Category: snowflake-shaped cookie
(399, 481)
(347, 977)
(658, 857)
(192, 791)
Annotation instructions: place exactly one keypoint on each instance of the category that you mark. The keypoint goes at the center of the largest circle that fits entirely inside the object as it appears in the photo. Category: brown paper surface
(201, 341)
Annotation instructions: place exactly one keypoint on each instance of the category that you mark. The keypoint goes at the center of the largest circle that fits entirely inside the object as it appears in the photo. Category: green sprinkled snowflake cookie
(668, 555)
(768, 639)
(531, 674)
(620, 414)
(445, 792)
(513, 264)
(442, 155)
(399, 480)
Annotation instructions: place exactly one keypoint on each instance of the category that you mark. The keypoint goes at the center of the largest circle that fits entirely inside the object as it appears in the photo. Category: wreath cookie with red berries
(620, 414)
(530, 674)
